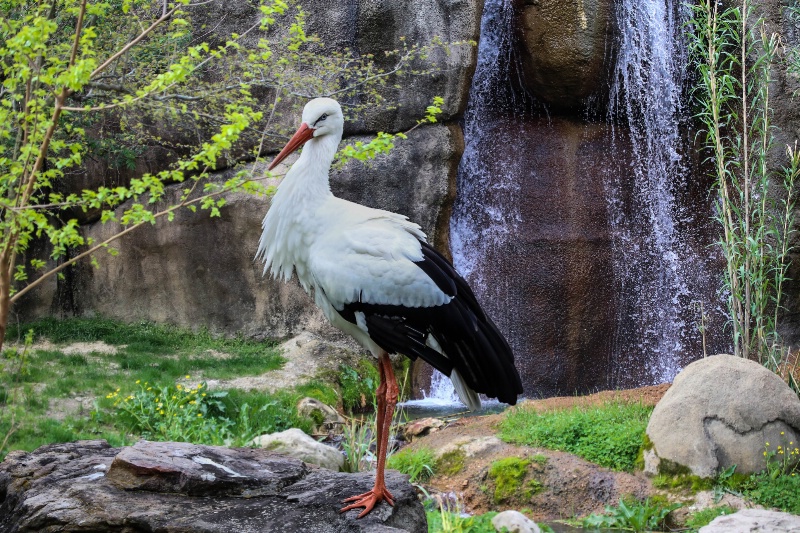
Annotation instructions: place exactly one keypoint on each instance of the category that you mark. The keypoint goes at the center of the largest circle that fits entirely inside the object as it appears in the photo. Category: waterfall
(480, 215)
(660, 273)
(585, 231)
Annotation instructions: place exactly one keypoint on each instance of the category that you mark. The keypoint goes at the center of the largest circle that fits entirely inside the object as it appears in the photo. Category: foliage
(633, 516)
(42, 381)
(446, 517)
(68, 95)
(358, 386)
(704, 517)
(359, 439)
(507, 475)
(683, 481)
(734, 54)
(609, 435)
(777, 486)
(419, 463)
(181, 413)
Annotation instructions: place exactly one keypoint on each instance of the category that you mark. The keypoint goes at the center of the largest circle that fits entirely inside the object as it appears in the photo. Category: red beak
(300, 137)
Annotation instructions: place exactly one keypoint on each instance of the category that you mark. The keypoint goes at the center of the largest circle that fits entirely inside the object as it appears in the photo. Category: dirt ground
(557, 485)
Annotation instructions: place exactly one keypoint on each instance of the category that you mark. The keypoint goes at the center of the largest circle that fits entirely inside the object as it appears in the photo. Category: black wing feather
(473, 344)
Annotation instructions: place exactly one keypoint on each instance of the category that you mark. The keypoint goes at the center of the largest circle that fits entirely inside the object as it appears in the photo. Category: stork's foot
(368, 500)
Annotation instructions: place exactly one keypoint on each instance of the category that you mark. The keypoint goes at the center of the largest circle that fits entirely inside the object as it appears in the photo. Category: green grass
(35, 384)
(609, 435)
(358, 386)
(704, 517)
(418, 464)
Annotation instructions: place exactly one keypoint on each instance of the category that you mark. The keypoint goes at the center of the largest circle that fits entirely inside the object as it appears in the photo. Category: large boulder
(721, 411)
(90, 486)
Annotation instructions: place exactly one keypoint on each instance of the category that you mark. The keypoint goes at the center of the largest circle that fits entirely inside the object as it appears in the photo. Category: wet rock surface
(178, 487)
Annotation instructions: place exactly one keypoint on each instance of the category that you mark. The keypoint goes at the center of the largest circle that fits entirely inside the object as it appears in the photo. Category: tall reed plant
(735, 55)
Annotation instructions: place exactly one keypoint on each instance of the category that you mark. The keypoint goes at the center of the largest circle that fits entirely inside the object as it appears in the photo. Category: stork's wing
(381, 275)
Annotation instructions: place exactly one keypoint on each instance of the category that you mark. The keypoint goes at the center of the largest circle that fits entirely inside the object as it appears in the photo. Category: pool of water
(438, 408)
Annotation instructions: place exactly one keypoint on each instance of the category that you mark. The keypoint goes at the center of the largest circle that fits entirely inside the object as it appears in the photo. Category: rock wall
(199, 272)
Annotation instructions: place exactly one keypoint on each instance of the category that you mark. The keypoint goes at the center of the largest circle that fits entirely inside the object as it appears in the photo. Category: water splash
(658, 270)
(480, 215)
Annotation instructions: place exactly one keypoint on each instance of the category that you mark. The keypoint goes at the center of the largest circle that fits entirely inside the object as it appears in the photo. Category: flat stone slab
(754, 521)
(184, 488)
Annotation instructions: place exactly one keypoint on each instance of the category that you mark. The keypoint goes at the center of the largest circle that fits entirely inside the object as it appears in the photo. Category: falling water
(480, 216)
(661, 274)
(587, 296)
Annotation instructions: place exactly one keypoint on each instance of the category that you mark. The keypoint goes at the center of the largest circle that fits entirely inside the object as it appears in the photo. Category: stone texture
(421, 427)
(295, 443)
(721, 411)
(315, 409)
(514, 522)
(754, 521)
(372, 27)
(565, 49)
(89, 486)
(199, 272)
(307, 358)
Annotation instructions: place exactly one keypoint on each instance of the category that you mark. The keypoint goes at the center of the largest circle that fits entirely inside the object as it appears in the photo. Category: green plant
(633, 516)
(734, 54)
(358, 386)
(191, 414)
(507, 475)
(419, 463)
(452, 462)
(448, 518)
(609, 435)
(777, 486)
(359, 438)
(704, 517)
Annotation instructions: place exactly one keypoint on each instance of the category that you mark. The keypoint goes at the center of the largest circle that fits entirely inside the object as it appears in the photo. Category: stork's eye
(320, 119)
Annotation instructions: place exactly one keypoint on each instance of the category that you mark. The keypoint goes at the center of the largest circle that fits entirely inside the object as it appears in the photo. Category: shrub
(358, 386)
(418, 464)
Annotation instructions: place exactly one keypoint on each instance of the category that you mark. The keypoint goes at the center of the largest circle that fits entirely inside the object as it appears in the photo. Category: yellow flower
(201, 416)
(187, 376)
(180, 387)
(192, 402)
(203, 394)
(161, 411)
(149, 388)
(138, 381)
(781, 432)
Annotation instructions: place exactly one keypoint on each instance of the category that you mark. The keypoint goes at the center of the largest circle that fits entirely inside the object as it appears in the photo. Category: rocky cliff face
(199, 272)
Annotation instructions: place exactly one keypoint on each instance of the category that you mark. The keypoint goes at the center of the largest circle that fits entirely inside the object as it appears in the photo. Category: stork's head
(321, 116)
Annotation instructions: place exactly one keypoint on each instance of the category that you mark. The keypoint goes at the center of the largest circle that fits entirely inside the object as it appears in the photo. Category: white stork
(376, 278)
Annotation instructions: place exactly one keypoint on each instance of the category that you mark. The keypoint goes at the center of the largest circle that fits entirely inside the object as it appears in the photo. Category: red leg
(387, 399)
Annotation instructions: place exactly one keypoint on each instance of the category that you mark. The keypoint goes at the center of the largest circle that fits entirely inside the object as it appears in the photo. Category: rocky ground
(559, 485)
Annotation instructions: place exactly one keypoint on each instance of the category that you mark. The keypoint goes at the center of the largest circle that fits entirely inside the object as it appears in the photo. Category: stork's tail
(467, 396)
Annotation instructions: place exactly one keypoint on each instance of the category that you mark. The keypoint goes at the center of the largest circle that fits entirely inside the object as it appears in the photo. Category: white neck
(308, 177)
(291, 216)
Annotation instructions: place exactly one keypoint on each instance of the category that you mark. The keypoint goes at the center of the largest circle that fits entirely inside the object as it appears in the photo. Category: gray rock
(722, 411)
(89, 486)
(294, 443)
(754, 521)
(514, 522)
(316, 410)
(199, 271)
